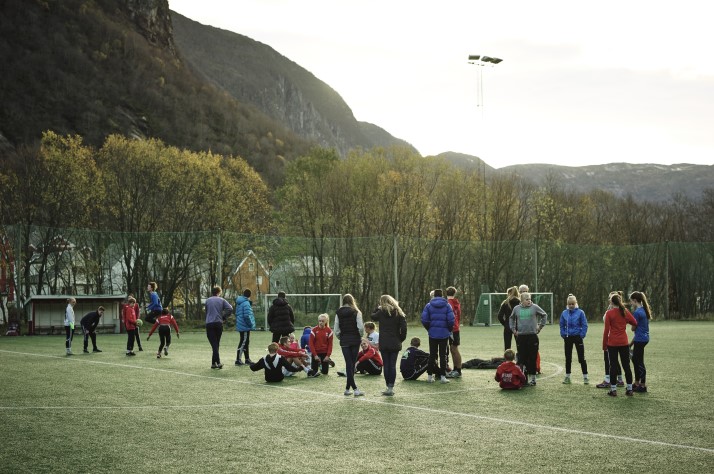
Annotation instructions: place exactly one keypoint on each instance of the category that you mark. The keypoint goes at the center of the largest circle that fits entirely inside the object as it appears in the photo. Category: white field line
(380, 400)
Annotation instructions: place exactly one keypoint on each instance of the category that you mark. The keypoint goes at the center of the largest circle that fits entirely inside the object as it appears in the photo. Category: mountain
(256, 74)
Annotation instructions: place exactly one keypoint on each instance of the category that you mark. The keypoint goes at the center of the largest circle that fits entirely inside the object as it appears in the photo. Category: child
(164, 323)
(371, 334)
(321, 338)
(69, 325)
(414, 361)
(245, 323)
(275, 366)
(642, 314)
(297, 358)
(606, 356)
(305, 338)
(573, 329)
(508, 375)
(130, 325)
(368, 359)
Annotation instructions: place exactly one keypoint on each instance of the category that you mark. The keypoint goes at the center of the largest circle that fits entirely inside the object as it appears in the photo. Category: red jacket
(615, 333)
(510, 376)
(129, 317)
(456, 307)
(285, 351)
(370, 353)
(164, 320)
(321, 340)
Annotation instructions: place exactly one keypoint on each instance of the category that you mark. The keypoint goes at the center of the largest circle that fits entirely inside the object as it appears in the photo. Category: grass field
(111, 413)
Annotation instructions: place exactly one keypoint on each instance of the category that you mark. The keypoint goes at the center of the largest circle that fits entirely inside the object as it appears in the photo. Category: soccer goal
(306, 307)
(490, 303)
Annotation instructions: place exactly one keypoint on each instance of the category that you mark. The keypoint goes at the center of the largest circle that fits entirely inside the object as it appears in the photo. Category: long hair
(642, 299)
(390, 305)
(349, 300)
(512, 292)
(617, 301)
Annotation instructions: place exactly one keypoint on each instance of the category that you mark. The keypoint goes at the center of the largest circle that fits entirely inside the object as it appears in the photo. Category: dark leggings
(576, 341)
(507, 337)
(131, 336)
(638, 361)
(137, 338)
(607, 364)
(527, 345)
(164, 337)
(70, 335)
(369, 366)
(244, 345)
(350, 355)
(214, 331)
(89, 334)
(390, 367)
(624, 353)
(323, 366)
(437, 348)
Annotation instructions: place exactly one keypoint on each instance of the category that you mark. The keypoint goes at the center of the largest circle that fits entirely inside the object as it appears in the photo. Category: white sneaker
(429, 379)
(586, 381)
(358, 392)
(389, 392)
(445, 380)
(348, 392)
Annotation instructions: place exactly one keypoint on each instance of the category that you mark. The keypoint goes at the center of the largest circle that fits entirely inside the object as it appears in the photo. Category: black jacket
(281, 319)
(90, 320)
(273, 366)
(349, 332)
(506, 309)
(392, 330)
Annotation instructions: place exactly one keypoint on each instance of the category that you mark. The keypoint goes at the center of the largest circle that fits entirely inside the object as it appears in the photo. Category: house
(45, 313)
(251, 274)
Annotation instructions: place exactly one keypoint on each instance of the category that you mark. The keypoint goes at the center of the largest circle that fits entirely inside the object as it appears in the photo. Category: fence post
(666, 279)
(396, 270)
(219, 260)
(535, 266)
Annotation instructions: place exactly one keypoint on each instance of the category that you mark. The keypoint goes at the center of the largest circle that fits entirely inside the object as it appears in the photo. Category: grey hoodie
(527, 320)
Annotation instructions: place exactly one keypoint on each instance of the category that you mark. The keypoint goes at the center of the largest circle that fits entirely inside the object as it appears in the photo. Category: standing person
(642, 315)
(508, 375)
(455, 338)
(504, 313)
(438, 319)
(393, 328)
(526, 321)
(153, 309)
(164, 323)
(614, 340)
(281, 319)
(573, 328)
(349, 330)
(414, 361)
(89, 323)
(69, 325)
(129, 316)
(606, 356)
(245, 323)
(216, 310)
(135, 307)
(321, 338)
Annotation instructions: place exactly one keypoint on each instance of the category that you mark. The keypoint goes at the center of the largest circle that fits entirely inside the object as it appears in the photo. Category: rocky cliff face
(153, 20)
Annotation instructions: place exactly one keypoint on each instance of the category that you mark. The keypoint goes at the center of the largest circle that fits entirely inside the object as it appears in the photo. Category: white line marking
(383, 401)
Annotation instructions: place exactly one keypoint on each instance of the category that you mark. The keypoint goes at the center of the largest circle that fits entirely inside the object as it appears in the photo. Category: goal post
(306, 307)
(490, 303)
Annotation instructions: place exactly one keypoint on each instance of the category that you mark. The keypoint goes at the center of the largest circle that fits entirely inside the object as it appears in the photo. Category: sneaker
(445, 380)
(532, 383)
(628, 393)
(389, 392)
(158, 355)
(567, 381)
(341, 374)
(604, 384)
(96, 350)
(239, 362)
(141, 349)
(314, 374)
(612, 393)
(85, 351)
(640, 389)
(130, 354)
(166, 351)
(331, 363)
(69, 353)
(455, 374)
(217, 366)
(348, 392)
(358, 393)
(586, 381)
(620, 383)
(429, 379)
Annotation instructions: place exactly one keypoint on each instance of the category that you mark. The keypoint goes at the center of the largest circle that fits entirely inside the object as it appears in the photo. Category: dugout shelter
(45, 313)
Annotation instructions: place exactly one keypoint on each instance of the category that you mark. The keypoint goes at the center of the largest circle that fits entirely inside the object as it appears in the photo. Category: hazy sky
(580, 83)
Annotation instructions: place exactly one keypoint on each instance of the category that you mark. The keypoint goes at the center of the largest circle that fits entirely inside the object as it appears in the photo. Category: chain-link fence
(677, 277)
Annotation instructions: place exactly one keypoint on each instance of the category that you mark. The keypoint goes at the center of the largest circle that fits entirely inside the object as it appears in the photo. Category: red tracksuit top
(129, 317)
(372, 354)
(614, 334)
(321, 340)
(510, 376)
(164, 320)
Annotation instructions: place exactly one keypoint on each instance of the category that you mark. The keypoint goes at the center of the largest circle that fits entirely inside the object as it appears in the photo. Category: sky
(581, 83)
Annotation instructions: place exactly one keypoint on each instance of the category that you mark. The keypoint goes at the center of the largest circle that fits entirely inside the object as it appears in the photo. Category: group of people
(524, 319)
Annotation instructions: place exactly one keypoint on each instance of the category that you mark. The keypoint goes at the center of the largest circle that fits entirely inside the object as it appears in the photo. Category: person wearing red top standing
(455, 338)
(509, 375)
(164, 323)
(137, 337)
(129, 317)
(321, 338)
(614, 340)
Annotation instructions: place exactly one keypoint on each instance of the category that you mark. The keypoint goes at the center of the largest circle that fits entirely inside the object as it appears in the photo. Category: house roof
(248, 254)
(77, 297)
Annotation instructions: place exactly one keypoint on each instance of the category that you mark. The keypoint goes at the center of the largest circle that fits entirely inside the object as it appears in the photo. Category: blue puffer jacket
(245, 321)
(438, 318)
(573, 323)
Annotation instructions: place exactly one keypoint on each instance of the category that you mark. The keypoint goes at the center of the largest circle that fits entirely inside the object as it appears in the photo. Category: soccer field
(106, 412)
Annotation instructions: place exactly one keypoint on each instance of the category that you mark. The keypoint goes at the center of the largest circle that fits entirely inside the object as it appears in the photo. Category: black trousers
(576, 341)
(70, 335)
(244, 345)
(624, 353)
(131, 336)
(507, 337)
(89, 334)
(164, 337)
(527, 345)
(638, 361)
(214, 331)
(437, 348)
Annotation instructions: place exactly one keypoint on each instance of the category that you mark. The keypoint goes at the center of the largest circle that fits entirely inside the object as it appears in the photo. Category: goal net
(490, 303)
(306, 307)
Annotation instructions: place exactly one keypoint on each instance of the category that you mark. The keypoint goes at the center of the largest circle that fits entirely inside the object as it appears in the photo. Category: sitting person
(368, 359)
(298, 357)
(508, 375)
(414, 361)
(274, 365)
(370, 331)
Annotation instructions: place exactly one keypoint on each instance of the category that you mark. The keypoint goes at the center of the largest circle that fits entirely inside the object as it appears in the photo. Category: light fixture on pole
(482, 61)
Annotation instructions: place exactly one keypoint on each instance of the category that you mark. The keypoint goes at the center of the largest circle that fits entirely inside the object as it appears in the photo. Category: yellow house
(250, 274)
